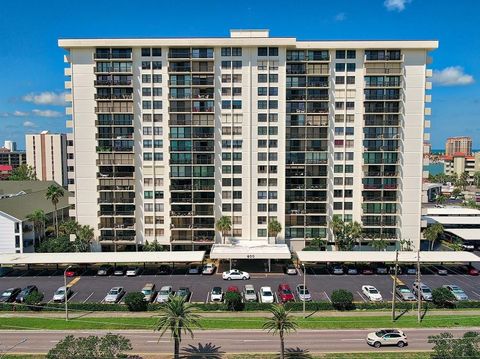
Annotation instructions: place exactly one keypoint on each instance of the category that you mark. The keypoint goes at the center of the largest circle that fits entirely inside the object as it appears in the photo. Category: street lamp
(65, 291)
(304, 286)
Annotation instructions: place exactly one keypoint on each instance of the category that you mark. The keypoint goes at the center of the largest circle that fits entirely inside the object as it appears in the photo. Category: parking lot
(90, 288)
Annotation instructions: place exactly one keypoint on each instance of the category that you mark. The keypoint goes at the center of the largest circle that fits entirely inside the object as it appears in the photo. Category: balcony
(116, 213)
(126, 96)
(384, 71)
(116, 238)
(179, 69)
(116, 175)
(383, 57)
(115, 188)
(112, 82)
(112, 55)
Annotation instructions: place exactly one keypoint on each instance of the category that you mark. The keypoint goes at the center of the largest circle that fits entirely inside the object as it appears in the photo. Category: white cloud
(452, 76)
(46, 113)
(29, 124)
(341, 16)
(398, 5)
(20, 113)
(46, 98)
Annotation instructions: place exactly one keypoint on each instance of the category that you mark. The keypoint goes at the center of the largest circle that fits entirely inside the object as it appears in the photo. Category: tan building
(458, 145)
(47, 154)
(459, 163)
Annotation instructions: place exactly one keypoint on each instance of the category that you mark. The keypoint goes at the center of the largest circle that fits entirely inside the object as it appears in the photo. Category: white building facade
(168, 135)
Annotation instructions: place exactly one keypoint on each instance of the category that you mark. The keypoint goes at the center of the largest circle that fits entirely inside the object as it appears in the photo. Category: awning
(454, 220)
(467, 234)
(384, 256)
(102, 257)
(250, 250)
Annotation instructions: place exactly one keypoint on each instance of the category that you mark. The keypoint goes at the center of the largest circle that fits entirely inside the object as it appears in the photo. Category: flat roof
(250, 250)
(102, 257)
(386, 256)
(468, 234)
(454, 220)
(453, 211)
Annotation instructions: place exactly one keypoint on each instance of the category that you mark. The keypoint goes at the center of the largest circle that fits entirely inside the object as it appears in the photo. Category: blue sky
(32, 64)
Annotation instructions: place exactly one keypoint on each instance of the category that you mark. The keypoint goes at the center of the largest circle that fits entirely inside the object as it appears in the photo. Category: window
(226, 51)
(338, 156)
(349, 156)
(348, 168)
(236, 64)
(349, 131)
(236, 51)
(339, 80)
(350, 80)
(146, 65)
(337, 205)
(262, 65)
(261, 232)
(157, 65)
(146, 79)
(351, 54)
(337, 193)
(145, 51)
(226, 64)
(339, 131)
(261, 207)
(338, 168)
(348, 181)
(237, 91)
(273, 51)
(236, 104)
(146, 105)
(226, 78)
(273, 91)
(226, 104)
(262, 91)
(262, 51)
(348, 206)
(262, 78)
(226, 91)
(273, 65)
(157, 91)
(262, 194)
(350, 105)
(237, 78)
(340, 67)
(340, 54)
(339, 105)
(262, 220)
(348, 193)
(273, 78)
(157, 79)
(262, 104)
(156, 51)
(338, 181)
(350, 67)
(157, 105)
(339, 118)
(146, 91)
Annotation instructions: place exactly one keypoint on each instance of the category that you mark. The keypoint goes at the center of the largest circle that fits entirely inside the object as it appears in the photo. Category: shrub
(233, 301)
(135, 302)
(443, 298)
(33, 301)
(342, 299)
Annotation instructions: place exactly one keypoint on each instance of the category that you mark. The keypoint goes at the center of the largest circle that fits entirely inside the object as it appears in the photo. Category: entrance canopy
(102, 257)
(250, 250)
(376, 256)
(467, 234)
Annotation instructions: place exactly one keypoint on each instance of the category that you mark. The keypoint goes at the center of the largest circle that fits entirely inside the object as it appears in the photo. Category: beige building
(458, 145)
(170, 134)
(459, 163)
(47, 154)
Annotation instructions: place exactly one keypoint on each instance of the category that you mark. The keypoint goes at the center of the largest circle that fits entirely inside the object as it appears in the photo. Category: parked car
(164, 269)
(25, 292)
(209, 268)
(471, 270)
(290, 269)
(387, 337)
(285, 293)
(9, 295)
(164, 294)
(59, 295)
(391, 269)
(216, 295)
(194, 269)
(119, 271)
(456, 291)
(235, 274)
(337, 269)
(352, 269)
(367, 270)
(303, 293)
(442, 270)
(149, 292)
(382, 269)
(423, 290)
(133, 271)
(5, 271)
(105, 270)
(468, 246)
(114, 295)
(183, 292)
(410, 270)
(404, 292)
(372, 293)
(72, 272)
(266, 295)
(233, 289)
(249, 294)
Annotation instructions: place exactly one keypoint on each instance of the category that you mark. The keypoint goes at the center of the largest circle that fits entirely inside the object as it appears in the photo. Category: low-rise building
(18, 199)
(12, 158)
(458, 163)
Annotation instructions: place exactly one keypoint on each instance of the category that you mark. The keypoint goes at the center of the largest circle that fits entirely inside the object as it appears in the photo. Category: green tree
(68, 227)
(110, 346)
(456, 192)
(379, 244)
(274, 228)
(54, 193)
(281, 322)
(233, 301)
(60, 244)
(431, 233)
(153, 246)
(463, 180)
(224, 225)
(441, 199)
(179, 318)
(316, 244)
(446, 346)
(443, 298)
(476, 179)
(135, 302)
(33, 301)
(406, 245)
(338, 228)
(23, 173)
(84, 237)
(345, 233)
(38, 219)
(342, 299)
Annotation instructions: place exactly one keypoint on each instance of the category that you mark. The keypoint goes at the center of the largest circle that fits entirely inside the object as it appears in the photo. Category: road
(228, 341)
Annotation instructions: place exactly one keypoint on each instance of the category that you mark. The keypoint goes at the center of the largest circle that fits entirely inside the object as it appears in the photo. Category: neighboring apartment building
(459, 163)
(10, 145)
(19, 199)
(171, 134)
(458, 145)
(12, 158)
(47, 154)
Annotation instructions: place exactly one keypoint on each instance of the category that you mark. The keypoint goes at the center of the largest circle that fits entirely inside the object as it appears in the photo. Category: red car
(285, 294)
(472, 271)
(367, 270)
(72, 272)
(233, 288)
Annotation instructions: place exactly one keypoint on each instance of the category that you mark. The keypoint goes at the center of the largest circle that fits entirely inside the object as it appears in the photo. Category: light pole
(65, 296)
(304, 286)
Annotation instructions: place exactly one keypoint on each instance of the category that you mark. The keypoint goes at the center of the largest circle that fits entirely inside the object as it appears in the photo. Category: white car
(208, 268)
(114, 295)
(249, 294)
(372, 293)
(216, 295)
(59, 295)
(387, 337)
(266, 295)
(303, 293)
(164, 294)
(133, 271)
(235, 274)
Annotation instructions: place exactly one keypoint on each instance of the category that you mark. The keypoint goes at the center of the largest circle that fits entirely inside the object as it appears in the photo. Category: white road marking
(54, 341)
(208, 295)
(361, 296)
(475, 293)
(88, 297)
(256, 340)
(352, 340)
(158, 341)
(327, 296)
(71, 297)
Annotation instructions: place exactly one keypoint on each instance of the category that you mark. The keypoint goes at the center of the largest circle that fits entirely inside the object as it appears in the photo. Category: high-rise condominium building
(171, 134)
(47, 154)
(458, 145)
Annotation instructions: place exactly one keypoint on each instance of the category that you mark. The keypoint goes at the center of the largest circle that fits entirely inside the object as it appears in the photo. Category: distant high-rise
(10, 145)
(47, 154)
(171, 134)
(458, 145)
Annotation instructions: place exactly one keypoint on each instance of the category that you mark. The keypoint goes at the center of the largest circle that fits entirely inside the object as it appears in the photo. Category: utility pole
(394, 285)
(65, 293)
(419, 289)
(304, 286)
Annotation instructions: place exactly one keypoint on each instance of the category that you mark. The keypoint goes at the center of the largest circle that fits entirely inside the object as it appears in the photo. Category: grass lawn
(350, 322)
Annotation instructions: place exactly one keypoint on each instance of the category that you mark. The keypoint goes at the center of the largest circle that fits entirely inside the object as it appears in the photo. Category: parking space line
(88, 297)
(361, 296)
(73, 295)
(190, 299)
(399, 281)
(208, 296)
(478, 295)
(327, 296)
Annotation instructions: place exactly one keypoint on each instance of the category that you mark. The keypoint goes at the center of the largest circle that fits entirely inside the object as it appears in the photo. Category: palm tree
(274, 228)
(84, 235)
(432, 233)
(379, 244)
(177, 317)
(280, 323)
(476, 178)
(224, 225)
(68, 227)
(54, 193)
(441, 199)
(338, 229)
(353, 233)
(38, 219)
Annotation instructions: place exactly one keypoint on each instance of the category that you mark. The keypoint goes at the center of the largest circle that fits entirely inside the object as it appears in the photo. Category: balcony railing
(112, 82)
(113, 97)
(111, 55)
